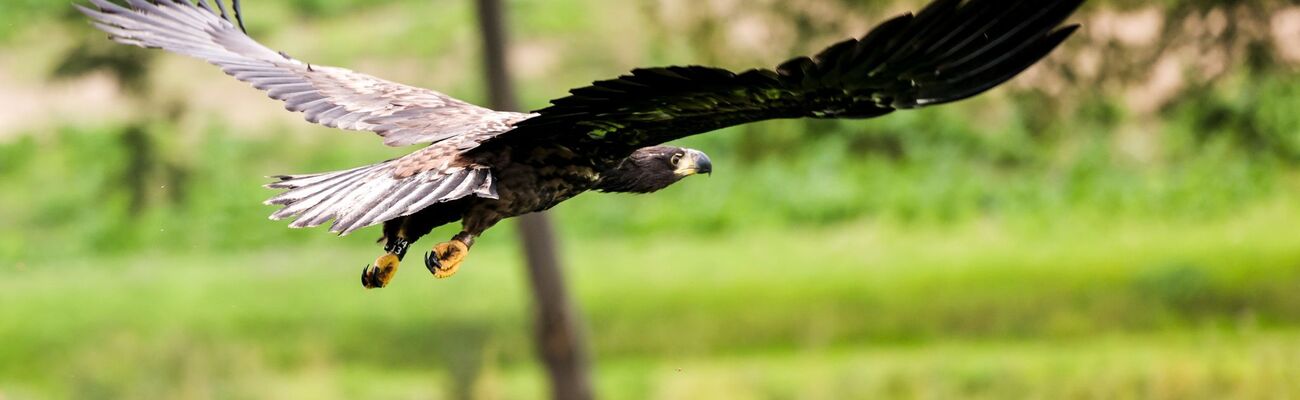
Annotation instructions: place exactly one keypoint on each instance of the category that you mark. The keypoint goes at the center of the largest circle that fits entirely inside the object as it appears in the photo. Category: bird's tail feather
(371, 194)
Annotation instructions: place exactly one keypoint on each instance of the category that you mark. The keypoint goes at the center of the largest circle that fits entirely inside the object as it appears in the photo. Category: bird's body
(531, 179)
(482, 166)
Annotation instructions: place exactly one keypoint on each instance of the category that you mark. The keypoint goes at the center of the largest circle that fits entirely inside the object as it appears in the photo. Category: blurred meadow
(1119, 222)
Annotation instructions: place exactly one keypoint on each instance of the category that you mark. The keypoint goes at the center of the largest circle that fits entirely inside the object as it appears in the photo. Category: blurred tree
(130, 67)
(559, 335)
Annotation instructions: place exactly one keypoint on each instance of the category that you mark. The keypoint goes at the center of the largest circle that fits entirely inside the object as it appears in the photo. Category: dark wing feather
(949, 51)
(330, 96)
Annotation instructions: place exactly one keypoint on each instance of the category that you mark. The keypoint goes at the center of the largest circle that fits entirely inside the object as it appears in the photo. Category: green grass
(1079, 309)
(1199, 365)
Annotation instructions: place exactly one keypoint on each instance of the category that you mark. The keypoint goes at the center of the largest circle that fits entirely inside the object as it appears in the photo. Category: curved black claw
(431, 262)
(368, 278)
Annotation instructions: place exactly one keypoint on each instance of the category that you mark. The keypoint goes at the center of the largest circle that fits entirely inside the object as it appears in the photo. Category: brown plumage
(482, 166)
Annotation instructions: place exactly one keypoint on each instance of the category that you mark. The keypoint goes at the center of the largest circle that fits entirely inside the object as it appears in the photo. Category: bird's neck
(627, 177)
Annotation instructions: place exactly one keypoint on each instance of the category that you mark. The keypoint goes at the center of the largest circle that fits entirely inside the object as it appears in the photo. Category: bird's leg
(446, 257)
(385, 267)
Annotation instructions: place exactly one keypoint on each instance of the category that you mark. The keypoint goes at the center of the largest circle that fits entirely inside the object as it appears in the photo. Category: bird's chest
(540, 180)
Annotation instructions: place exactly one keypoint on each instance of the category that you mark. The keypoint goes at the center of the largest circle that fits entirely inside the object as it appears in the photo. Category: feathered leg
(400, 233)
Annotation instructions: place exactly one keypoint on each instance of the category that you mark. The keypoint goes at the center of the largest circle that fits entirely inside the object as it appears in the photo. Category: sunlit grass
(1201, 365)
(1077, 310)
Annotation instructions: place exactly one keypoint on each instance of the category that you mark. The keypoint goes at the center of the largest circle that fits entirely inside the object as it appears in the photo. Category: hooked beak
(694, 162)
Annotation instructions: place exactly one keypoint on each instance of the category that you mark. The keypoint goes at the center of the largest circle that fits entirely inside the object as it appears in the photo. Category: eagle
(481, 166)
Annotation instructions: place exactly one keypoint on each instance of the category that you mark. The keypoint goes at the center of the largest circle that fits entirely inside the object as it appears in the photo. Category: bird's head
(653, 168)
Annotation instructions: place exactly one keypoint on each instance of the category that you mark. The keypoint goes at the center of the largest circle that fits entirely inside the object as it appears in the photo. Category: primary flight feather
(481, 166)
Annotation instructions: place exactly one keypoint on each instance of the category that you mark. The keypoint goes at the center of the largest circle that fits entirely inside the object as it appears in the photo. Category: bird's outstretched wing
(951, 50)
(330, 96)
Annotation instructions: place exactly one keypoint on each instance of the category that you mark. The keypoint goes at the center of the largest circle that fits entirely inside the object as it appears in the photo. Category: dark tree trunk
(140, 157)
(559, 334)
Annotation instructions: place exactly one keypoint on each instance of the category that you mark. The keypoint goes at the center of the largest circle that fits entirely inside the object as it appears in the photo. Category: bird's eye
(676, 158)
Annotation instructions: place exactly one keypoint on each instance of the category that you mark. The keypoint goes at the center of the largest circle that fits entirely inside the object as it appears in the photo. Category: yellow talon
(381, 273)
(445, 258)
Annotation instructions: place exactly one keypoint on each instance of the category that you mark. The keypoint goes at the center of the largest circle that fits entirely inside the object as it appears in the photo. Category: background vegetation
(1117, 223)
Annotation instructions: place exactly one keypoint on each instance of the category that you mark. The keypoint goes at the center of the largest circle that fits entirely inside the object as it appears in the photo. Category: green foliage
(1256, 114)
(333, 8)
(129, 66)
(15, 15)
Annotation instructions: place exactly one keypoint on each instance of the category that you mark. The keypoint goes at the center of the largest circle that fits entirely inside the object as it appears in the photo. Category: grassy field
(982, 310)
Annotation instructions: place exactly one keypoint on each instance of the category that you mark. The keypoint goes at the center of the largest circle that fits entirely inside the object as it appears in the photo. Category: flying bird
(481, 166)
